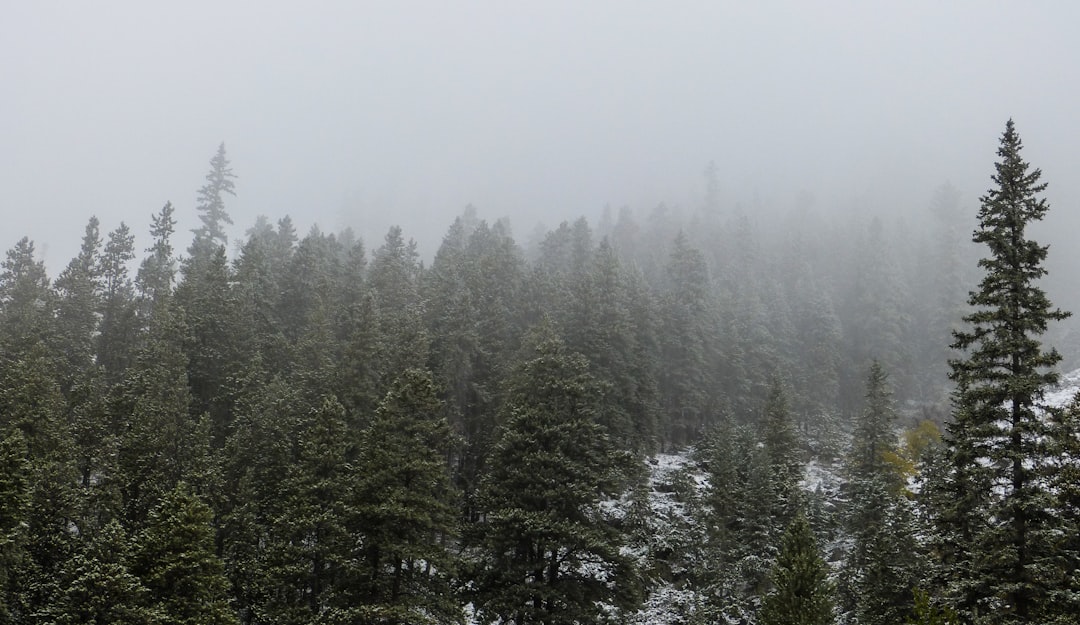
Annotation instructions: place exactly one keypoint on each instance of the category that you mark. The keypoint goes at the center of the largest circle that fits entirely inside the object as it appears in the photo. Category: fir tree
(211, 205)
(404, 505)
(78, 304)
(177, 564)
(158, 270)
(14, 507)
(549, 552)
(802, 593)
(1001, 518)
(100, 589)
(116, 340)
(873, 439)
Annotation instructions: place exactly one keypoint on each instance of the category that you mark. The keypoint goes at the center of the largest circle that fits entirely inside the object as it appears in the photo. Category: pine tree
(784, 456)
(78, 303)
(687, 344)
(158, 270)
(926, 613)
(100, 589)
(873, 438)
(14, 507)
(884, 563)
(211, 205)
(404, 506)
(312, 541)
(549, 552)
(802, 593)
(176, 562)
(116, 340)
(1001, 518)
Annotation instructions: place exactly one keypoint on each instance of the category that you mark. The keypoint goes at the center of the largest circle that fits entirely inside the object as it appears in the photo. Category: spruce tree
(211, 205)
(549, 552)
(404, 506)
(158, 270)
(1001, 519)
(78, 290)
(802, 593)
(99, 588)
(176, 562)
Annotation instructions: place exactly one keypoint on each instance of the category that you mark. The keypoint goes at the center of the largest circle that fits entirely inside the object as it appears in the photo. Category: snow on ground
(1065, 391)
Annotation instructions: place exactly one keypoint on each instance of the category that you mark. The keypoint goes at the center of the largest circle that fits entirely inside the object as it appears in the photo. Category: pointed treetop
(211, 204)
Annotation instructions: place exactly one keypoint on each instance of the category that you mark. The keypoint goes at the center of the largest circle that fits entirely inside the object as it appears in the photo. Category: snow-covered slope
(1065, 391)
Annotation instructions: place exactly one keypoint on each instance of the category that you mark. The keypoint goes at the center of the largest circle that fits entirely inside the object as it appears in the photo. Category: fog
(370, 114)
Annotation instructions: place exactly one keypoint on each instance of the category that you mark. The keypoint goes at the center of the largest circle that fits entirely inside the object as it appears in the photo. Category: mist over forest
(487, 313)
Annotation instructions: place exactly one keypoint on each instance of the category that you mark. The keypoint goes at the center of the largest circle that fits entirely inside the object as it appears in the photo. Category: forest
(667, 417)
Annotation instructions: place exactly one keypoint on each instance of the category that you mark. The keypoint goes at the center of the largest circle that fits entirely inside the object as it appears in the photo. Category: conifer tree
(802, 592)
(158, 270)
(211, 205)
(404, 506)
(14, 507)
(548, 549)
(116, 340)
(1001, 520)
(784, 456)
(687, 344)
(100, 589)
(78, 305)
(873, 438)
(176, 562)
(883, 564)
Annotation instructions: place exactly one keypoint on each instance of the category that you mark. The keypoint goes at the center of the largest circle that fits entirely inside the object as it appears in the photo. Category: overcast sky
(367, 114)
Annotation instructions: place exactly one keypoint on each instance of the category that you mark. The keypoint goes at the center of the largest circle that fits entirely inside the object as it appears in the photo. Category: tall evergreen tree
(405, 507)
(158, 270)
(873, 438)
(211, 205)
(549, 552)
(14, 507)
(116, 341)
(999, 442)
(78, 304)
(802, 592)
(176, 562)
(99, 587)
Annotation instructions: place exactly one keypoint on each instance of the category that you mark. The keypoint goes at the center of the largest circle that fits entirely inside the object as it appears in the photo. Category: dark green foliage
(802, 593)
(874, 437)
(549, 554)
(116, 341)
(783, 453)
(26, 303)
(404, 505)
(1066, 486)
(78, 290)
(884, 563)
(177, 564)
(926, 613)
(160, 443)
(14, 507)
(210, 342)
(741, 515)
(259, 458)
(311, 543)
(99, 588)
(339, 482)
(1002, 518)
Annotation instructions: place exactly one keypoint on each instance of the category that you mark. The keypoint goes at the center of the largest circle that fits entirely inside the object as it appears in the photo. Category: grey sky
(372, 113)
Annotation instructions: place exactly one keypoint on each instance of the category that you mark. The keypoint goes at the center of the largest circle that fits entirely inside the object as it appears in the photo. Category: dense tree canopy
(613, 423)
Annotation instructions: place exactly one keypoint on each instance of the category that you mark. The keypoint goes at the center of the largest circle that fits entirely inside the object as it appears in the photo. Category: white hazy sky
(373, 113)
